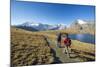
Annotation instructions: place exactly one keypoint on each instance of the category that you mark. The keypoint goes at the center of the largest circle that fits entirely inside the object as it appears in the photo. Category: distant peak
(30, 24)
(81, 21)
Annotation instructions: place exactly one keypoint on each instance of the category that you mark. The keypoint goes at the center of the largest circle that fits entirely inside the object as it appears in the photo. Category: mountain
(82, 25)
(79, 21)
(39, 26)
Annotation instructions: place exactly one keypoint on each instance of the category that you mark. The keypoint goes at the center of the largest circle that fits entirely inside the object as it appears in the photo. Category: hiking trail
(61, 56)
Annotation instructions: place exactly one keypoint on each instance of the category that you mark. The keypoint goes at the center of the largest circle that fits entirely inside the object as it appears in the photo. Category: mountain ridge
(77, 24)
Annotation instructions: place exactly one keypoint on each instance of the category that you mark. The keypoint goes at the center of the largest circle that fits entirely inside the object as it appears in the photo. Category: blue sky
(48, 13)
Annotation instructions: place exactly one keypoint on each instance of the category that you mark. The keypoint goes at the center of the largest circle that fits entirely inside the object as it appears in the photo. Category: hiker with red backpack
(67, 45)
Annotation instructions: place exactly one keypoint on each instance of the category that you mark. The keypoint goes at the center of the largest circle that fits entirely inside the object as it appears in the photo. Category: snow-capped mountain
(81, 24)
(30, 24)
(40, 26)
(78, 24)
(81, 21)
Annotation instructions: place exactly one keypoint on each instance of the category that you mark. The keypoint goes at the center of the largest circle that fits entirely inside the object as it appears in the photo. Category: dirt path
(64, 57)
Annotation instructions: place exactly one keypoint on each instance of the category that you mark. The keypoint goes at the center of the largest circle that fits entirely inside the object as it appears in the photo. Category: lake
(87, 38)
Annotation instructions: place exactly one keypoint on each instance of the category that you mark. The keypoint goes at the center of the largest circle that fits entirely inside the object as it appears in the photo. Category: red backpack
(67, 41)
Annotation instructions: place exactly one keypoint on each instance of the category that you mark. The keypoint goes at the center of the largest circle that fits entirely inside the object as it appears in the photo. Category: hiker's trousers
(66, 49)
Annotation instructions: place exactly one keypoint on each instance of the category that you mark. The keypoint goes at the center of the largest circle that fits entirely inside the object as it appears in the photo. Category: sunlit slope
(36, 41)
(29, 49)
(84, 50)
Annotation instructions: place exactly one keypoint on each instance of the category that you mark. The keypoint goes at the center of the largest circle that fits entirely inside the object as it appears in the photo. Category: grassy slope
(75, 43)
(71, 31)
(29, 49)
(83, 51)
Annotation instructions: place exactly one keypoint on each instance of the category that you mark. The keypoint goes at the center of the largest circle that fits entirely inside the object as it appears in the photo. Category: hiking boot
(65, 52)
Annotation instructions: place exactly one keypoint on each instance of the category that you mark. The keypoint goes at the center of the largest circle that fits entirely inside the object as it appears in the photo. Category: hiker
(67, 45)
(59, 40)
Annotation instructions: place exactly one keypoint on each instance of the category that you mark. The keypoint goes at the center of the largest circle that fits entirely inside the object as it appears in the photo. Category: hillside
(31, 48)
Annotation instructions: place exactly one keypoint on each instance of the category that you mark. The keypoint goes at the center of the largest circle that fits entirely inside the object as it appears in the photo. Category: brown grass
(29, 49)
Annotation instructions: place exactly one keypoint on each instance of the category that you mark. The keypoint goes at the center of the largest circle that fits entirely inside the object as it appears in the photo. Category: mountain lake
(87, 38)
